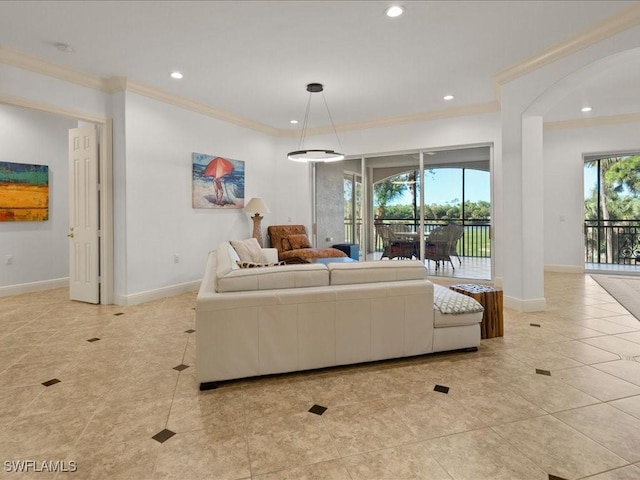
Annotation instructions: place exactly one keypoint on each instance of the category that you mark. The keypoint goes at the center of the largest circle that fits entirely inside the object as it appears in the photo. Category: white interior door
(84, 252)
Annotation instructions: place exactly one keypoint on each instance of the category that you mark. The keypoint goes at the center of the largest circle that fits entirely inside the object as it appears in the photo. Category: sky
(445, 184)
(590, 181)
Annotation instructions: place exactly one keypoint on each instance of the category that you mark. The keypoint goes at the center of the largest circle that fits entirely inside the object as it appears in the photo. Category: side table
(491, 299)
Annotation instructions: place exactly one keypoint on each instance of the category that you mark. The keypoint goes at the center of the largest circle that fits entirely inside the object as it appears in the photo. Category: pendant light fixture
(315, 155)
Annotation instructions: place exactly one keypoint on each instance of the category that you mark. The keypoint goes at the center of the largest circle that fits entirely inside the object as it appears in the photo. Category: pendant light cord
(304, 123)
(306, 120)
(335, 132)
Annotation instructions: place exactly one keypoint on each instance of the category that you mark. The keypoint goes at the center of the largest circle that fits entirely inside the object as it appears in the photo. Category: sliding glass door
(390, 206)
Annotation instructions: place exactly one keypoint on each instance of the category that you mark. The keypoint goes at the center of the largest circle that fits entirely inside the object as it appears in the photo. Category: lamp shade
(256, 205)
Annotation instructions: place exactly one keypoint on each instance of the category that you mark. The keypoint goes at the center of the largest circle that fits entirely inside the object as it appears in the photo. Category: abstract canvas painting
(24, 192)
(217, 182)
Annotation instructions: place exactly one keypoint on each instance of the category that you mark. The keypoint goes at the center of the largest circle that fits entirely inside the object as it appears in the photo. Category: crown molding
(620, 22)
(463, 111)
(627, 18)
(44, 67)
(124, 84)
(593, 122)
(49, 108)
(119, 84)
(186, 103)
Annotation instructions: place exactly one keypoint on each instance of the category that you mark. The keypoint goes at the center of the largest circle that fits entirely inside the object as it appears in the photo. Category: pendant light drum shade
(315, 155)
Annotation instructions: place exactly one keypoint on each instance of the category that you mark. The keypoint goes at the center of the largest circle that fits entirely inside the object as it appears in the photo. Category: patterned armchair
(293, 244)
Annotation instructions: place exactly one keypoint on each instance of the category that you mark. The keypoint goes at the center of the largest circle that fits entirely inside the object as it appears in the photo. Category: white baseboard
(149, 295)
(564, 268)
(33, 286)
(529, 305)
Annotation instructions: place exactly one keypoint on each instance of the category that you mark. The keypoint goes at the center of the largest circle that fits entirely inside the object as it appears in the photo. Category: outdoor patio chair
(392, 246)
(455, 232)
(438, 246)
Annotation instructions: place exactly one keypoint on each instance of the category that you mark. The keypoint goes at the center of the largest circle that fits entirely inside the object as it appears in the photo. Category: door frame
(105, 192)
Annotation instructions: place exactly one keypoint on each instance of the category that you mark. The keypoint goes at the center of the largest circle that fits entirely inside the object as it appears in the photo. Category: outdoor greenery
(612, 210)
(393, 188)
(480, 210)
(476, 238)
(619, 189)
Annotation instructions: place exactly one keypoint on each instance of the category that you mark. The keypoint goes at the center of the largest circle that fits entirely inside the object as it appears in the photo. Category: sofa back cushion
(226, 259)
(248, 250)
(378, 271)
(273, 278)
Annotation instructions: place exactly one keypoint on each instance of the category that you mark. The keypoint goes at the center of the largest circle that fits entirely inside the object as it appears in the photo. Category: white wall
(160, 220)
(40, 250)
(564, 186)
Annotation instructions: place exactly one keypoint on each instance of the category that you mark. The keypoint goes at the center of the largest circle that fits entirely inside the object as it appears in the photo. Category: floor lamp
(257, 206)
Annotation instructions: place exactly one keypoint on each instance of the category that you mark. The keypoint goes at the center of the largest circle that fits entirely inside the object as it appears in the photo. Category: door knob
(70, 234)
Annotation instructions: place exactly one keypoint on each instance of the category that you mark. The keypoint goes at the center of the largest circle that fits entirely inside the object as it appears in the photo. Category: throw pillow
(258, 265)
(233, 256)
(299, 240)
(248, 250)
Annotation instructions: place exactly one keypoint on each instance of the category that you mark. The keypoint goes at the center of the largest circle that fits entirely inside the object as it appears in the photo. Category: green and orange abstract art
(24, 192)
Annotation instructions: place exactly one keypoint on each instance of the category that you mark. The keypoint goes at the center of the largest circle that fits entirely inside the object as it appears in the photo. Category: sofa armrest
(270, 255)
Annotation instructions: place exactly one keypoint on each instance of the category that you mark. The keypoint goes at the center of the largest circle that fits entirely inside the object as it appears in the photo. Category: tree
(617, 176)
(625, 173)
(385, 192)
(605, 164)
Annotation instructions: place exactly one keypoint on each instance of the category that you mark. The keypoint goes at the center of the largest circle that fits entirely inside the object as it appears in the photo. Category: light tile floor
(118, 387)
(475, 268)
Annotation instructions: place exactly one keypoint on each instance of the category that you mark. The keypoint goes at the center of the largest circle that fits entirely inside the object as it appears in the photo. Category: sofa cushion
(273, 278)
(226, 259)
(299, 240)
(249, 250)
(378, 271)
(233, 256)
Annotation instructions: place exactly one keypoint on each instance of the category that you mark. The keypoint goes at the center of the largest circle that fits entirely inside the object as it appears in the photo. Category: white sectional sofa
(278, 319)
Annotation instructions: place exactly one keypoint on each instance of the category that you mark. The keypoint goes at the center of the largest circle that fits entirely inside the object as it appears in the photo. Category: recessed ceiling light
(585, 109)
(293, 121)
(64, 47)
(176, 75)
(394, 11)
(448, 97)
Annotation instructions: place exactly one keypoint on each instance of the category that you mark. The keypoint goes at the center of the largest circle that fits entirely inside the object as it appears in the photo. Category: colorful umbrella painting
(218, 168)
(217, 182)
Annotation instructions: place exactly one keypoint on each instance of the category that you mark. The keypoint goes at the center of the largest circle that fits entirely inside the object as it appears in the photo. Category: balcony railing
(612, 241)
(475, 241)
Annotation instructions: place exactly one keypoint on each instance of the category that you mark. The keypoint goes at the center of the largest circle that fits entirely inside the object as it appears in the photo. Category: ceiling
(252, 59)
